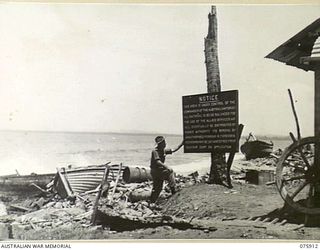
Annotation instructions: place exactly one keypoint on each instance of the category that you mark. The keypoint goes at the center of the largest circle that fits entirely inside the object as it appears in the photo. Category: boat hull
(23, 182)
(82, 179)
(256, 149)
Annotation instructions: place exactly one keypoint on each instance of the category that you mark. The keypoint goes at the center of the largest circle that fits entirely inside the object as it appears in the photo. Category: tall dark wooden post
(218, 161)
(317, 130)
(314, 197)
(211, 54)
(317, 113)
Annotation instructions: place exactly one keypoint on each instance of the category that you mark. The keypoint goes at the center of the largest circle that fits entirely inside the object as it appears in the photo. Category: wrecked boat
(25, 182)
(70, 181)
(254, 148)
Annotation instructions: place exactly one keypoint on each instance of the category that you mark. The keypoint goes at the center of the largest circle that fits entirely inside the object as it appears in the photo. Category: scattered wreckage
(112, 196)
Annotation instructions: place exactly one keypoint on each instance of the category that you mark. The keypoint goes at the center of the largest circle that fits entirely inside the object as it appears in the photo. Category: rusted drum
(136, 174)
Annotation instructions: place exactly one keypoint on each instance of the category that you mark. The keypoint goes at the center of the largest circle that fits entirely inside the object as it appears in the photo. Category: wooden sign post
(218, 161)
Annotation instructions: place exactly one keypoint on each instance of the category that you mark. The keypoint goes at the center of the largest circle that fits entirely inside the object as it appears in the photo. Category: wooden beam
(96, 203)
(295, 114)
(231, 157)
(317, 114)
(65, 183)
(309, 220)
(308, 60)
(115, 184)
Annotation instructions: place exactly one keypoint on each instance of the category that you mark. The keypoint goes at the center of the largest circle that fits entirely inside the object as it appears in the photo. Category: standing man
(159, 171)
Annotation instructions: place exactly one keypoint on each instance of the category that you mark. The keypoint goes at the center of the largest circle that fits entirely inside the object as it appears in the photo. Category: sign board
(210, 122)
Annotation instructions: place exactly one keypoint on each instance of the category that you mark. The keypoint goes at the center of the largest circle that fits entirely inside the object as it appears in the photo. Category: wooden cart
(298, 169)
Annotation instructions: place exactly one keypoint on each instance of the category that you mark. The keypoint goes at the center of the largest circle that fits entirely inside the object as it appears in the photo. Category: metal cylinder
(139, 195)
(136, 174)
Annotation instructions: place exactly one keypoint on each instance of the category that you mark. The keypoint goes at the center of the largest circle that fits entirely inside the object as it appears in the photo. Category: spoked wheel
(297, 176)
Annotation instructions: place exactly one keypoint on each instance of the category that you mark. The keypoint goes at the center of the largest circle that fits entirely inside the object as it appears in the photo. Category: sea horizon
(43, 152)
(91, 132)
(134, 132)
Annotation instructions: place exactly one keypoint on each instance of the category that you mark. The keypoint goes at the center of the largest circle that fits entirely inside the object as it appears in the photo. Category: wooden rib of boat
(254, 148)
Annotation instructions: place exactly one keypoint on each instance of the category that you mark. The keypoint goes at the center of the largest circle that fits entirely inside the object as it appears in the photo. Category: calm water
(43, 152)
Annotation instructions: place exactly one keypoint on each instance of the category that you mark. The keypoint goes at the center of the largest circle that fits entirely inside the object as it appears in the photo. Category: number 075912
(308, 246)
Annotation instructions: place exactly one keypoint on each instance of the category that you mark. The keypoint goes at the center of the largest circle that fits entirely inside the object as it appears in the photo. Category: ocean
(44, 152)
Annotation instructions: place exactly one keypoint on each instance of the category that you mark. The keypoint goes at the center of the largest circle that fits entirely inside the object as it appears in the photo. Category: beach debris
(61, 185)
(195, 176)
(39, 188)
(20, 208)
(299, 227)
(232, 191)
(4, 231)
(231, 158)
(269, 183)
(115, 183)
(248, 171)
(3, 209)
(260, 177)
(126, 207)
(39, 203)
(110, 202)
(140, 194)
(104, 182)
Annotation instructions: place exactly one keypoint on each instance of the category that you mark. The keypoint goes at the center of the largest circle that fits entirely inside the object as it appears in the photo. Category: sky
(125, 68)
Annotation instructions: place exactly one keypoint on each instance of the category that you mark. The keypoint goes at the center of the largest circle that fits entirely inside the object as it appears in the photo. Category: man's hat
(159, 139)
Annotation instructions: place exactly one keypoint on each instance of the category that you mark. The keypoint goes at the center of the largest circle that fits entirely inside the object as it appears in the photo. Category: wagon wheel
(297, 176)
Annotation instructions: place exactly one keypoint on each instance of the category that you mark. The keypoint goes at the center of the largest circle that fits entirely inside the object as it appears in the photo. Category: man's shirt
(158, 155)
